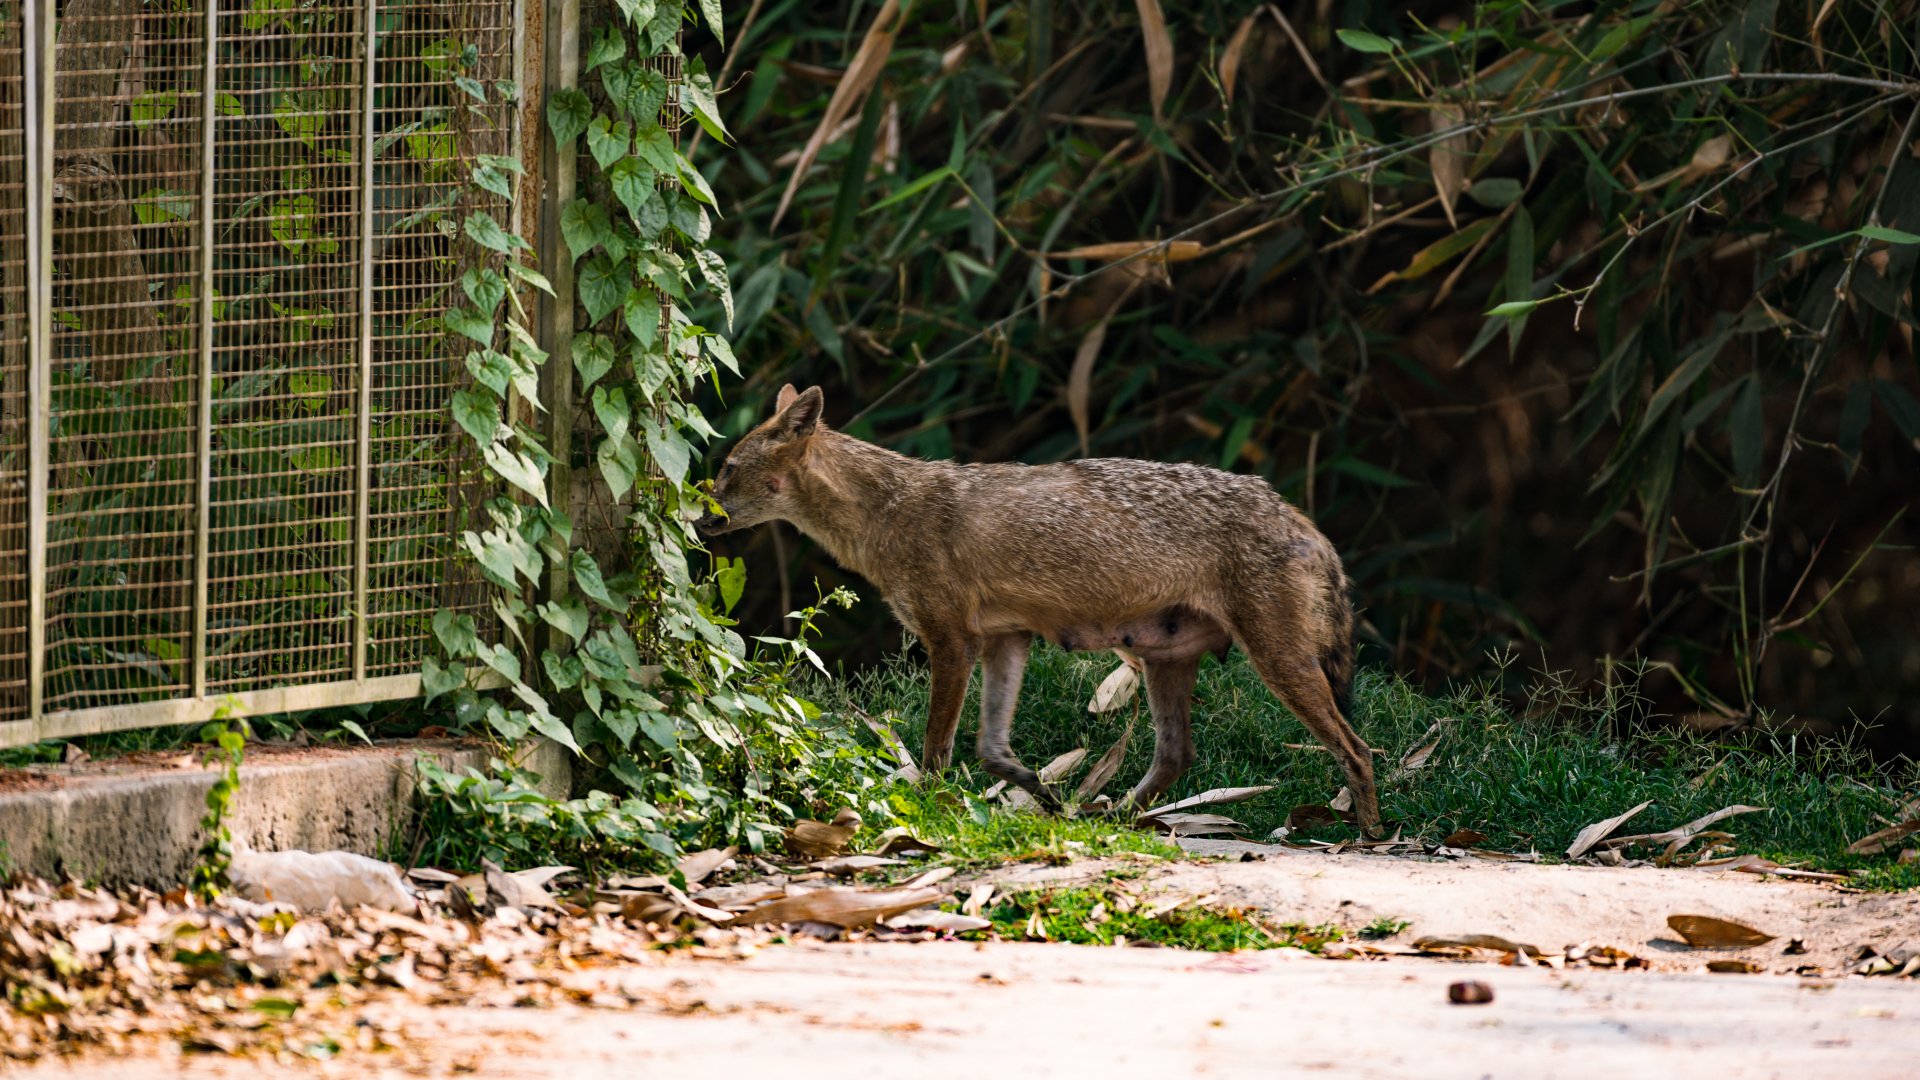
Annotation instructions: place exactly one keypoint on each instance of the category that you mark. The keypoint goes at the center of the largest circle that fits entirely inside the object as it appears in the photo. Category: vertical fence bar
(37, 47)
(558, 171)
(363, 439)
(203, 459)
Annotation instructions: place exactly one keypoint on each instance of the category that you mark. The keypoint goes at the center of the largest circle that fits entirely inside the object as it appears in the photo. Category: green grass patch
(974, 834)
(1117, 915)
(1527, 775)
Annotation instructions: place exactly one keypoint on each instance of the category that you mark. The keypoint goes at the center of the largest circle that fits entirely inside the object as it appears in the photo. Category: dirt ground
(943, 1009)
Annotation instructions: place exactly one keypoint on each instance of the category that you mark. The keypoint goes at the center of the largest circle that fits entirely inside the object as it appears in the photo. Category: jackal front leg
(1003, 662)
(951, 660)
(1170, 695)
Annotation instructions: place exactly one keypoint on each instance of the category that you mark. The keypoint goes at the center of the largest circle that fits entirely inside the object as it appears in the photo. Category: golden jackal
(1165, 562)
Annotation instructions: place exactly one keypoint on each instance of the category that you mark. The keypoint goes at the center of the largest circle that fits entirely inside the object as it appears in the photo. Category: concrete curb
(139, 824)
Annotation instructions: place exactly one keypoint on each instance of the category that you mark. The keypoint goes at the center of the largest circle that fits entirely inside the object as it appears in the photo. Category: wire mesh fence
(226, 466)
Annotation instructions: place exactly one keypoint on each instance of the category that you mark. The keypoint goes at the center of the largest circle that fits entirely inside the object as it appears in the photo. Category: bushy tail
(1337, 660)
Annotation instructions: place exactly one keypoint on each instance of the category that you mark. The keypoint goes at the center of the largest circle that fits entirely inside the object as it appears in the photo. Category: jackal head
(756, 480)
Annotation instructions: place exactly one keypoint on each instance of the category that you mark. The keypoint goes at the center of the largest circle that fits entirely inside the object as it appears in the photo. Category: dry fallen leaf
(1104, 769)
(1711, 932)
(1211, 797)
(978, 898)
(1115, 691)
(843, 907)
(1342, 801)
(1448, 160)
(1877, 842)
(1057, 770)
(931, 877)
(945, 922)
(849, 865)
(1193, 824)
(1600, 830)
(1485, 942)
(1742, 967)
(898, 841)
(696, 868)
(1463, 838)
(1310, 816)
(1683, 832)
(810, 839)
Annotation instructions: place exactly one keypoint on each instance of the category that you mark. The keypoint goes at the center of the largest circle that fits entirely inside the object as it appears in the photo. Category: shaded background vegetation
(1698, 457)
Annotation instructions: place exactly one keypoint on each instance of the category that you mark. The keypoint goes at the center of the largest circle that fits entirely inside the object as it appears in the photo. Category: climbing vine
(623, 652)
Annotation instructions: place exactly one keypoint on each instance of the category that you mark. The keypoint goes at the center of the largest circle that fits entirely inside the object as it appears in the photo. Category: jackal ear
(787, 394)
(800, 416)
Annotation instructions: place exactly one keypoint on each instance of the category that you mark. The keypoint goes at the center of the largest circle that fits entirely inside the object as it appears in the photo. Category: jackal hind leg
(1003, 663)
(1170, 697)
(951, 660)
(1295, 677)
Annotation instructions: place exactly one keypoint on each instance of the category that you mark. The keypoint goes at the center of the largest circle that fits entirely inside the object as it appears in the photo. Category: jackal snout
(756, 482)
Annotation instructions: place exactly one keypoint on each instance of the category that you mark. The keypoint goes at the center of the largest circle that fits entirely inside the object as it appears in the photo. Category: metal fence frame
(532, 21)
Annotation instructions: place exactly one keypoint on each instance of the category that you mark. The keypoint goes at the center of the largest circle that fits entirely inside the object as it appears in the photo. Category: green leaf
(602, 287)
(643, 315)
(483, 230)
(489, 179)
(670, 451)
(685, 214)
(586, 576)
(563, 672)
(469, 323)
(696, 183)
(1747, 428)
(531, 276)
(1514, 307)
(491, 369)
(944, 172)
(1891, 236)
(614, 413)
(619, 461)
(607, 141)
(485, 287)
(501, 659)
(592, 357)
(1362, 41)
(732, 577)
(608, 45)
(1519, 278)
(547, 724)
(710, 9)
(646, 92)
(721, 352)
(436, 680)
(1496, 192)
(567, 615)
(584, 225)
(638, 12)
(568, 113)
(696, 97)
(714, 269)
(516, 469)
(632, 181)
(654, 147)
(457, 633)
(478, 415)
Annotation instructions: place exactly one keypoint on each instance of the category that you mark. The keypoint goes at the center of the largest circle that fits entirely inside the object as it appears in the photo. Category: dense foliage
(1687, 435)
(621, 651)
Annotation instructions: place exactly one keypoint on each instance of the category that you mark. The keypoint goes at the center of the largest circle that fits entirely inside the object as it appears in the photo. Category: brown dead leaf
(1483, 942)
(978, 898)
(1310, 816)
(1463, 838)
(696, 868)
(1740, 967)
(861, 74)
(943, 922)
(742, 896)
(1153, 26)
(1600, 830)
(1712, 932)
(1230, 57)
(1193, 824)
(1684, 832)
(1876, 842)
(810, 839)
(1104, 769)
(1211, 797)
(1174, 251)
(1115, 691)
(931, 877)
(898, 841)
(1079, 391)
(1059, 768)
(1342, 801)
(1448, 159)
(839, 906)
(849, 865)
